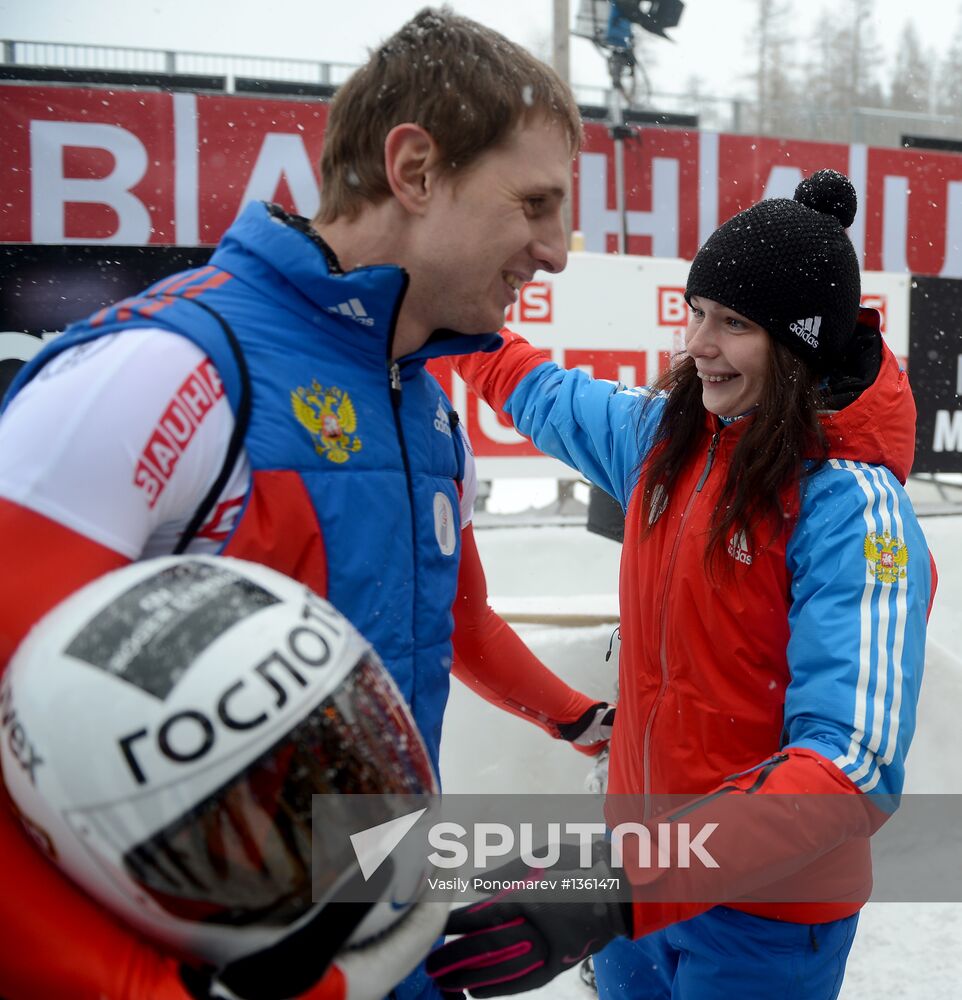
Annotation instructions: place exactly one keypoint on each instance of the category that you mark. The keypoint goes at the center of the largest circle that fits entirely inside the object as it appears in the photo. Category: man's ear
(410, 153)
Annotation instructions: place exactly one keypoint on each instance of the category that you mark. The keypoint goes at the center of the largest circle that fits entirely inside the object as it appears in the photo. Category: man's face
(488, 230)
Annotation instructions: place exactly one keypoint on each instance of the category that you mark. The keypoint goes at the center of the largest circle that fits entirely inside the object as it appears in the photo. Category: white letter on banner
(707, 185)
(782, 182)
(283, 155)
(597, 221)
(186, 183)
(948, 431)
(50, 191)
(493, 429)
(895, 221)
(952, 263)
(18, 346)
(858, 175)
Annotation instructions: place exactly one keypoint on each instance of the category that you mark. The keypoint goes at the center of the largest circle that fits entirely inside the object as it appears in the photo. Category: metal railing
(742, 116)
(872, 126)
(111, 57)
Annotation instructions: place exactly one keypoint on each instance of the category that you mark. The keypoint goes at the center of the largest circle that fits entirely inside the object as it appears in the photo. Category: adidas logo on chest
(352, 309)
(442, 422)
(738, 548)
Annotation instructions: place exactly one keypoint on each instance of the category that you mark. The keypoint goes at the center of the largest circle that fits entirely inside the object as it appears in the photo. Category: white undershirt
(121, 439)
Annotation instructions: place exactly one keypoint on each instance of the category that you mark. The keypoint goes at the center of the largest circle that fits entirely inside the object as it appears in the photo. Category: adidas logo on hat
(807, 329)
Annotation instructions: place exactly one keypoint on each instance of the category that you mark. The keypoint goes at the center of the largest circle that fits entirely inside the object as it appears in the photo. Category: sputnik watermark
(714, 848)
(672, 846)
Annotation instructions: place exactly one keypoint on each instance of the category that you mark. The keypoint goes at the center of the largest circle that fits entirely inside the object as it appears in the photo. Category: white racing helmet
(165, 730)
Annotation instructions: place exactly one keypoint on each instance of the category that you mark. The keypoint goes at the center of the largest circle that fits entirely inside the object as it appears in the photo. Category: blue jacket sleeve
(596, 426)
(861, 581)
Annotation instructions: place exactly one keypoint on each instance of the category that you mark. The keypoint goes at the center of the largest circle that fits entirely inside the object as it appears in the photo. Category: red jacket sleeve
(494, 376)
(56, 942)
(491, 659)
(787, 839)
(43, 562)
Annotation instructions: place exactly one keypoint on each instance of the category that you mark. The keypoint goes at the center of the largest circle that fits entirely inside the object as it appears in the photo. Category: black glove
(512, 946)
(591, 731)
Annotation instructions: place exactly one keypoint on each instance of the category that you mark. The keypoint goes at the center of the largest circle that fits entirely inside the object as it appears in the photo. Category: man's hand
(369, 972)
(509, 945)
(590, 732)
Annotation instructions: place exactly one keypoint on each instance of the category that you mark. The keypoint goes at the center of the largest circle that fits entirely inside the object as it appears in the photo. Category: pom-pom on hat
(788, 265)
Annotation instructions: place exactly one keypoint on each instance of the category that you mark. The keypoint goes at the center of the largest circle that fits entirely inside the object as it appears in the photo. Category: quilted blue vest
(373, 444)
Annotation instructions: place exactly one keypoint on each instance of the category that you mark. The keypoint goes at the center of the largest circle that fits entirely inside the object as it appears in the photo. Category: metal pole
(561, 60)
(560, 49)
(619, 132)
(620, 204)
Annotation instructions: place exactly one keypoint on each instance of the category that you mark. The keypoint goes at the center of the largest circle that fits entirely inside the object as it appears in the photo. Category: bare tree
(841, 73)
(775, 89)
(949, 79)
(913, 74)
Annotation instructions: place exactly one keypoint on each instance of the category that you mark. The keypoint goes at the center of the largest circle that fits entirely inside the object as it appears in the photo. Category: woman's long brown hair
(783, 442)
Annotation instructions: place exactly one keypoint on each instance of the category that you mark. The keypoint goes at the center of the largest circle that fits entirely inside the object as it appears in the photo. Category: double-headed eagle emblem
(887, 556)
(329, 417)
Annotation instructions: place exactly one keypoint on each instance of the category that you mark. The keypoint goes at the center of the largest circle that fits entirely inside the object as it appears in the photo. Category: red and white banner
(119, 166)
(123, 166)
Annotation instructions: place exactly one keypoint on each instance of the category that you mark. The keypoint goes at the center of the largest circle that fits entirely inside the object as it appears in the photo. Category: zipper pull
(395, 375)
(711, 458)
(611, 641)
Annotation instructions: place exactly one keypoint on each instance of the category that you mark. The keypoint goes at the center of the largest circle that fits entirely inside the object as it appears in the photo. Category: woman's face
(731, 357)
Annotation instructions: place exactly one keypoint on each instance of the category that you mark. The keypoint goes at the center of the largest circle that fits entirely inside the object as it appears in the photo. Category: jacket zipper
(663, 652)
(394, 375)
(765, 769)
(778, 758)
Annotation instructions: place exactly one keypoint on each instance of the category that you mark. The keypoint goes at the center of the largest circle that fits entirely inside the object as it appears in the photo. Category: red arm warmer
(491, 659)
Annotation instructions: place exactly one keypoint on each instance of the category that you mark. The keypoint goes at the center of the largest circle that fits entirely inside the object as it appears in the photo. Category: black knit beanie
(788, 265)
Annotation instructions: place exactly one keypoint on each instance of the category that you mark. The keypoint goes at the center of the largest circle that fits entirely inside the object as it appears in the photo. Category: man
(274, 406)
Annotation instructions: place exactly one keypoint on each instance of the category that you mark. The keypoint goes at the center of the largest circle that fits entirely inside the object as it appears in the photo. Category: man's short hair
(466, 85)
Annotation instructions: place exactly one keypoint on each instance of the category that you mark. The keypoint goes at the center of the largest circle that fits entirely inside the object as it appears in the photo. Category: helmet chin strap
(296, 963)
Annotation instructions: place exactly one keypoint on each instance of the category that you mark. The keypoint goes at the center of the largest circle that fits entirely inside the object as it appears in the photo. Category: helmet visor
(244, 854)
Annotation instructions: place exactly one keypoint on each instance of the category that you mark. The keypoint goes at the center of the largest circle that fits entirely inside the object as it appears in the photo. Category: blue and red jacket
(796, 672)
(355, 462)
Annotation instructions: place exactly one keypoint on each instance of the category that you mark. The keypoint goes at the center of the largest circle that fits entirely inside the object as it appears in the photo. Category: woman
(774, 593)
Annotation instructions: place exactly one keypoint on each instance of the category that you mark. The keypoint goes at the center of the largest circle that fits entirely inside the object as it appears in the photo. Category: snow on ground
(903, 951)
